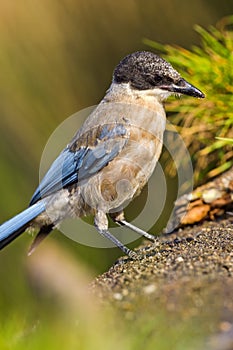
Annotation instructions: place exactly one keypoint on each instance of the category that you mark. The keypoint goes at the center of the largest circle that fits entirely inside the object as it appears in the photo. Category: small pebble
(179, 259)
(117, 296)
(149, 289)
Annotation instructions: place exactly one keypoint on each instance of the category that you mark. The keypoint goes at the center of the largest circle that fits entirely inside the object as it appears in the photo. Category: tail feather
(18, 224)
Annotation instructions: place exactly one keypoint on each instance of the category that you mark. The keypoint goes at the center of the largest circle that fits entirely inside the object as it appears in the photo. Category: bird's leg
(101, 224)
(117, 243)
(119, 219)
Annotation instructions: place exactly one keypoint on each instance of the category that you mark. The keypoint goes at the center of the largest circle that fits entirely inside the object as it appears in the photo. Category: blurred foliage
(224, 139)
(109, 331)
(62, 312)
(209, 67)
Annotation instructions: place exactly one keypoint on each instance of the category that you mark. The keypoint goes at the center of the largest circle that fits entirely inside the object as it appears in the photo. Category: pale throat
(151, 98)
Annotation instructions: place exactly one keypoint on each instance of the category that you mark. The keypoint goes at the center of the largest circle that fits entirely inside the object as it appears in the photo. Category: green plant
(202, 122)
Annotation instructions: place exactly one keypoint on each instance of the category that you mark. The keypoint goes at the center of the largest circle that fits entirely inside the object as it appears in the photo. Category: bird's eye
(157, 79)
(154, 80)
(167, 80)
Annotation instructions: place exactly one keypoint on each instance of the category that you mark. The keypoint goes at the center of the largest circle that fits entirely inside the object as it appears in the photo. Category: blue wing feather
(72, 167)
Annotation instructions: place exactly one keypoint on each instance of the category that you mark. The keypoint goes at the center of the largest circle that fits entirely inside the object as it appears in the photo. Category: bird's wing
(85, 157)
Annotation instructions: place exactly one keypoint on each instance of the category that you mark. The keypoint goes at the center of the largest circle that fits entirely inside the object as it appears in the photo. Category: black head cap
(146, 70)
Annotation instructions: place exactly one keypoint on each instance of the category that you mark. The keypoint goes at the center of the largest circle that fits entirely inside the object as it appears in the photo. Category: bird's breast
(124, 177)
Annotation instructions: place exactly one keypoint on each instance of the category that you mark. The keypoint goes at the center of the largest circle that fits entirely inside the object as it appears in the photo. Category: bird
(110, 158)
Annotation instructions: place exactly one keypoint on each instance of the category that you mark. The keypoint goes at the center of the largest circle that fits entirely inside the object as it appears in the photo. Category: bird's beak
(185, 88)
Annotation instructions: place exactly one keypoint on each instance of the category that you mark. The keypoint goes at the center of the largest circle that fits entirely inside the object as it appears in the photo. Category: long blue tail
(18, 224)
